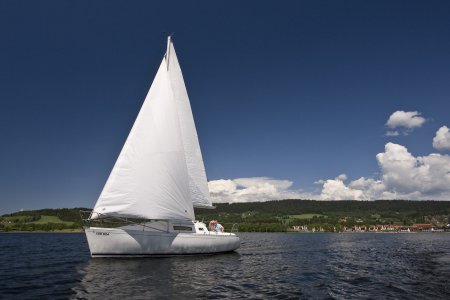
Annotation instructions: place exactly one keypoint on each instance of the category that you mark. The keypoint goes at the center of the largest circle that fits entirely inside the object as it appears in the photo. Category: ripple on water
(267, 266)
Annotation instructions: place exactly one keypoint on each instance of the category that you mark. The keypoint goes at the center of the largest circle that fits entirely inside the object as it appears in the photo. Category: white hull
(131, 242)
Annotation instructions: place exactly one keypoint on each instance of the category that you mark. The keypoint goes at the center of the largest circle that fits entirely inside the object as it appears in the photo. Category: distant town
(378, 228)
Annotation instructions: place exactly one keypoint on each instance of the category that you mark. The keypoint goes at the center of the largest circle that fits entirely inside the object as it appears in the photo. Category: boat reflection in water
(159, 278)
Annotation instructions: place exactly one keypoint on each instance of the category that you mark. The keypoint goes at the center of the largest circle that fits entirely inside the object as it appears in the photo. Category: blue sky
(286, 96)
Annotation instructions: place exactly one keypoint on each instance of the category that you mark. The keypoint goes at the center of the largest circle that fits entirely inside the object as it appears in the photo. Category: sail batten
(159, 173)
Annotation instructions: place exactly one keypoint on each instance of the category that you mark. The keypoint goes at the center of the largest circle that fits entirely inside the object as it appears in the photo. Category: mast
(169, 40)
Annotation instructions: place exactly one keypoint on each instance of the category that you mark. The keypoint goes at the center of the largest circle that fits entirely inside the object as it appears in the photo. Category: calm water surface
(267, 266)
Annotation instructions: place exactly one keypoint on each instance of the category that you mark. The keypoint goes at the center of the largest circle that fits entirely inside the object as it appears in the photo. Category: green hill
(265, 216)
(51, 219)
(64, 219)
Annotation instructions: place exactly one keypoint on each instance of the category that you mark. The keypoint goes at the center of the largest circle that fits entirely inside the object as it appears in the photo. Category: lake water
(267, 266)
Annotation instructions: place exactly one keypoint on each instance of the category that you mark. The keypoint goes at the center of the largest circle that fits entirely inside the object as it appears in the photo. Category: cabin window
(200, 228)
(182, 228)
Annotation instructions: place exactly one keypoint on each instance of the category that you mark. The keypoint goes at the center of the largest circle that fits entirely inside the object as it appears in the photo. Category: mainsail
(159, 173)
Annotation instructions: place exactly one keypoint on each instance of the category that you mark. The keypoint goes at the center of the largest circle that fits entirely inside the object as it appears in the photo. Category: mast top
(169, 40)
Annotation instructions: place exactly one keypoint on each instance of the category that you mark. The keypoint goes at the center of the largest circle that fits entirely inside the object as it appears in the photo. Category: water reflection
(144, 278)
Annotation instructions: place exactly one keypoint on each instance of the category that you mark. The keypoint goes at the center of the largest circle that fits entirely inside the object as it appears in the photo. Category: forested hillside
(330, 215)
(266, 216)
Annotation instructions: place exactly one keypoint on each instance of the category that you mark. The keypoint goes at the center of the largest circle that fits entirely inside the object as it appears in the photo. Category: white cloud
(406, 121)
(335, 189)
(442, 139)
(342, 177)
(221, 186)
(392, 133)
(254, 189)
(403, 176)
(371, 188)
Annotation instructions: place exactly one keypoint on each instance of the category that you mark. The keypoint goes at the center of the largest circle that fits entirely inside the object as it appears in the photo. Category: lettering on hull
(102, 233)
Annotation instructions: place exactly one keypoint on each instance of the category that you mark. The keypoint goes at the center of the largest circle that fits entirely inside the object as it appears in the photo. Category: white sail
(196, 170)
(152, 177)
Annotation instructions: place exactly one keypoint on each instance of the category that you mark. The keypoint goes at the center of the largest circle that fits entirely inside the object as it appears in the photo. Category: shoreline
(288, 232)
(40, 231)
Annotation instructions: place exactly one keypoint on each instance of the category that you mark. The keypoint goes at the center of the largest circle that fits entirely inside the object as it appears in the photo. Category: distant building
(422, 227)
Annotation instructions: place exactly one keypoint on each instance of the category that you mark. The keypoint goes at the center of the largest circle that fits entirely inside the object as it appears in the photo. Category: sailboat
(159, 177)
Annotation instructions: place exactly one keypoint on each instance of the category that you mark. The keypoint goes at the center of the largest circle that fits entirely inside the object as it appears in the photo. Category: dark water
(267, 266)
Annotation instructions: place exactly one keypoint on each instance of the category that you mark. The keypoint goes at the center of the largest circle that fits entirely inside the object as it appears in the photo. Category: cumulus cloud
(371, 188)
(404, 122)
(403, 176)
(252, 189)
(392, 133)
(425, 176)
(335, 189)
(442, 139)
(407, 119)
